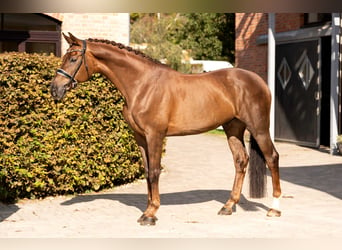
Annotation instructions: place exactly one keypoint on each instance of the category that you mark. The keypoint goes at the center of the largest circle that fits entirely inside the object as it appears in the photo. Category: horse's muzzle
(57, 93)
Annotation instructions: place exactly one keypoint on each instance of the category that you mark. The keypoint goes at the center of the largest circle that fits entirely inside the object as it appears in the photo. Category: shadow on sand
(177, 198)
(325, 178)
(6, 210)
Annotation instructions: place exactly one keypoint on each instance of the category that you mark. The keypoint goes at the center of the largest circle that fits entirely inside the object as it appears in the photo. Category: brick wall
(289, 21)
(111, 26)
(249, 55)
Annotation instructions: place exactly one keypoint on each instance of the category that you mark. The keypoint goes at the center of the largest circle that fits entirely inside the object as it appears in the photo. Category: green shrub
(48, 148)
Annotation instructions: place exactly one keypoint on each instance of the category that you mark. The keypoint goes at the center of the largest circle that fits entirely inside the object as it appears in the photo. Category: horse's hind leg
(272, 160)
(234, 131)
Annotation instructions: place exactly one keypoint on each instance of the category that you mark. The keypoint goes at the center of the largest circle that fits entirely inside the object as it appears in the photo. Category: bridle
(72, 81)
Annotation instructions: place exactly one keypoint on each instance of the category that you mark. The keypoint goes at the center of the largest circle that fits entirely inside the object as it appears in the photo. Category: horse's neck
(122, 68)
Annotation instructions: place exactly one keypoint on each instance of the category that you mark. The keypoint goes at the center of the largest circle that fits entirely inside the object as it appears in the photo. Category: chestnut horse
(160, 102)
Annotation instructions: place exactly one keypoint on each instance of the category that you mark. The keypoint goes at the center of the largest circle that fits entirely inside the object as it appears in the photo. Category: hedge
(46, 148)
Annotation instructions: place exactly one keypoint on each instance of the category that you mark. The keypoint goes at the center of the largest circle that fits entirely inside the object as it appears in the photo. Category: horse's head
(74, 68)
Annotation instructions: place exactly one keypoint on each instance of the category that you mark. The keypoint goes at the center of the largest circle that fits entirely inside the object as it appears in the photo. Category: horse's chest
(130, 119)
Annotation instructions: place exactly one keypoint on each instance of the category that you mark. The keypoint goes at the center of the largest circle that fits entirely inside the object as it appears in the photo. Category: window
(29, 33)
(315, 19)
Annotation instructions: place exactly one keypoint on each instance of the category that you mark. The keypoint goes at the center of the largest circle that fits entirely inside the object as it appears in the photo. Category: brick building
(111, 26)
(42, 32)
(249, 26)
(307, 86)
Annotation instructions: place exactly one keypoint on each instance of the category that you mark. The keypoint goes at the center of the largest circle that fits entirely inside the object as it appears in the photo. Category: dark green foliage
(77, 145)
(209, 36)
(206, 36)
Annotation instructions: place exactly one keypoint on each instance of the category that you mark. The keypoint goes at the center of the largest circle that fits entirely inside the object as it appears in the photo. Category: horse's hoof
(273, 213)
(147, 221)
(142, 217)
(225, 211)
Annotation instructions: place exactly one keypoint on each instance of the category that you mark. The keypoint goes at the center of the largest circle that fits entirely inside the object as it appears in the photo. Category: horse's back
(232, 80)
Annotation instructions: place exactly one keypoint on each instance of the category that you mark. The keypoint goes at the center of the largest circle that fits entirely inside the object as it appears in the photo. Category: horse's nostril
(53, 90)
(57, 93)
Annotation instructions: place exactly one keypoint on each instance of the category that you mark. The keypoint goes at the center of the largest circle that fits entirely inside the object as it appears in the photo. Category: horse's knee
(153, 174)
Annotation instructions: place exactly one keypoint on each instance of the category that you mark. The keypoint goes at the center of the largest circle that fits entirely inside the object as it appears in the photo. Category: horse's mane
(128, 48)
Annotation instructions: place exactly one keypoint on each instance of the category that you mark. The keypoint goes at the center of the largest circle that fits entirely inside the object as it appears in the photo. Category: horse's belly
(198, 122)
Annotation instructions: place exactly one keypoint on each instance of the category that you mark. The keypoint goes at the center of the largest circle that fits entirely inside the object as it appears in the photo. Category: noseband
(72, 81)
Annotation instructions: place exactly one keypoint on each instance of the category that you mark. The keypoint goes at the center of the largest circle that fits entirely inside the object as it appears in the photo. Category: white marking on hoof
(276, 203)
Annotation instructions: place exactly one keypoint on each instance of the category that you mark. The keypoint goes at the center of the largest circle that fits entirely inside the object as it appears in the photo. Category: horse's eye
(73, 59)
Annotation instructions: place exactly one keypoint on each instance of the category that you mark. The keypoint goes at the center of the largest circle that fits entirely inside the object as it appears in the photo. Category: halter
(72, 81)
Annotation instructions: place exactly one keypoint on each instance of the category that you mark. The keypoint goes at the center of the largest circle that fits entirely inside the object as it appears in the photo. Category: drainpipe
(271, 68)
(335, 79)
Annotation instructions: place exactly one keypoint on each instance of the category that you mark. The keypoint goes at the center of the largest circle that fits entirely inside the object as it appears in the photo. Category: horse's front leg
(152, 158)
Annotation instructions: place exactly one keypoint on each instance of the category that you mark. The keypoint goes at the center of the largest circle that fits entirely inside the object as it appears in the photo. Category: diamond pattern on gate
(305, 69)
(284, 73)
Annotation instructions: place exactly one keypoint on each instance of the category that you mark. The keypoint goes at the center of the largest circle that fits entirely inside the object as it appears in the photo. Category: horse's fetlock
(155, 205)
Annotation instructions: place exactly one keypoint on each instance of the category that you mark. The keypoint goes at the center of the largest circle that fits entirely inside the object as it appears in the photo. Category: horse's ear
(74, 39)
(68, 39)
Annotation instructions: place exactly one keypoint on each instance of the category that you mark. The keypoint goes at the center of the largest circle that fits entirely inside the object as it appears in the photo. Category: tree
(226, 35)
(199, 36)
(157, 34)
(207, 36)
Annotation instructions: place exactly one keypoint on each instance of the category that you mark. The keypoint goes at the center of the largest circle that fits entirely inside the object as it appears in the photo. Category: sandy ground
(195, 184)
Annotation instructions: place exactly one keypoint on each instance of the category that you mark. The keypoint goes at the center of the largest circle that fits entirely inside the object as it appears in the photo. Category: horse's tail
(257, 170)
